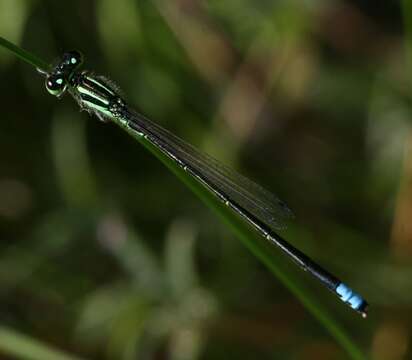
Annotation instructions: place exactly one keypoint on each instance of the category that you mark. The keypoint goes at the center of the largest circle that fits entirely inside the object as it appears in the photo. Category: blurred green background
(106, 255)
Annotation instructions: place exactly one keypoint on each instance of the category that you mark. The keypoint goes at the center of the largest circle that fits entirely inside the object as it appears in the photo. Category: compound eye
(55, 84)
(72, 59)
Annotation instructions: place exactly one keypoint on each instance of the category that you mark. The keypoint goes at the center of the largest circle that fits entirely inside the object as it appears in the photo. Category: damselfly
(262, 210)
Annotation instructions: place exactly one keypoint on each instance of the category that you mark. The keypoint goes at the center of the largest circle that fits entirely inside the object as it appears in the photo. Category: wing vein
(252, 197)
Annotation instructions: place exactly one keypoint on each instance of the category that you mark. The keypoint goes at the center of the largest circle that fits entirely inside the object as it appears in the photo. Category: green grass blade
(23, 347)
(24, 55)
(255, 244)
(260, 249)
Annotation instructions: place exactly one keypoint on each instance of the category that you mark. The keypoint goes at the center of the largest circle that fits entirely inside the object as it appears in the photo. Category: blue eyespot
(56, 84)
(71, 60)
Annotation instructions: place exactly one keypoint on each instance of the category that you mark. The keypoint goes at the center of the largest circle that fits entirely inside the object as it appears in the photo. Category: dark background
(106, 255)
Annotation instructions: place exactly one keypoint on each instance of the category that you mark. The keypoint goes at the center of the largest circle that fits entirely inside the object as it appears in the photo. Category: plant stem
(24, 55)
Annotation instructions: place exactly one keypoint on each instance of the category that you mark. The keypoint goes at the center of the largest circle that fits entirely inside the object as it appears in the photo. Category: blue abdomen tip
(354, 300)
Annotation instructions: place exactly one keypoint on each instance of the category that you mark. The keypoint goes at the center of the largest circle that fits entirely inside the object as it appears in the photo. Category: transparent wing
(261, 203)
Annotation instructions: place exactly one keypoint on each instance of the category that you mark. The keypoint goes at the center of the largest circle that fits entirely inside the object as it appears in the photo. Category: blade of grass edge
(24, 347)
(246, 235)
(24, 55)
(238, 227)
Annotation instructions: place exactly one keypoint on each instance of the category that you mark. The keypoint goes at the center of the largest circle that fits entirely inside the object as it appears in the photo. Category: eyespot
(56, 84)
(71, 60)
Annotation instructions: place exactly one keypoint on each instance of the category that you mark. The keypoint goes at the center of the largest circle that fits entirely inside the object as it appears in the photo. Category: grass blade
(260, 249)
(24, 55)
(23, 347)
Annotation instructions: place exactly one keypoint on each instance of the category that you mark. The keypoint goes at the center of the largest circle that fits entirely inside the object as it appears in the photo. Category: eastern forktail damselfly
(261, 209)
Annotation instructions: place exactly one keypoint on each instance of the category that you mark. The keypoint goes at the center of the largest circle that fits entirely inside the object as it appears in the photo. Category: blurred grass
(23, 347)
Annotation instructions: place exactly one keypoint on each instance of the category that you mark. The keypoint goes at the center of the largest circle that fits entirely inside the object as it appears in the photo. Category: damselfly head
(60, 75)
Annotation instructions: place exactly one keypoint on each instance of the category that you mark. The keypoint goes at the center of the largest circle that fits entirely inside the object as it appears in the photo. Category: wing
(261, 203)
